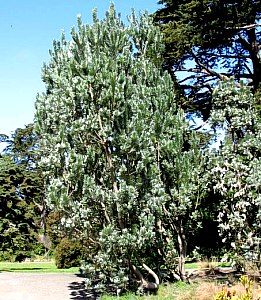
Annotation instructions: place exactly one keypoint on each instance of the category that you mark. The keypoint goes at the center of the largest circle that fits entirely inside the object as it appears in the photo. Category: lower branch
(145, 284)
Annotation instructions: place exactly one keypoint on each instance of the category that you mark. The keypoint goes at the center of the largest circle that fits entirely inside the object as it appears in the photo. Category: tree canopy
(210, 40)
(21, 195)
(118, 154)
(236, 170)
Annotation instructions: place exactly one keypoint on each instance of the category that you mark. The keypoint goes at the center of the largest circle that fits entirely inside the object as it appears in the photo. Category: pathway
(34, 286)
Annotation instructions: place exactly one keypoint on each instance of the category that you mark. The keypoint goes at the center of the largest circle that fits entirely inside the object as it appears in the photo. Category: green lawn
(199, 265)
(165, 292)
(50, 267)
(41, 267)
(194, 265)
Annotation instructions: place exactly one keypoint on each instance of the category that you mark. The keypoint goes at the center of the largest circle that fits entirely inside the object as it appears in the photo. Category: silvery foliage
(185, 182)
(110, 139)
(237, 167)
(182, 171)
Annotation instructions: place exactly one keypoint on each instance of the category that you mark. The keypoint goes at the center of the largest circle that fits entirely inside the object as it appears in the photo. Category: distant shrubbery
(68, 254)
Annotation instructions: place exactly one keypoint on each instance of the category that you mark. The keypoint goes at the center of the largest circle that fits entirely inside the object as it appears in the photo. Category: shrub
(68, 254)
(53, 228)
(38, 250)
(226, 294)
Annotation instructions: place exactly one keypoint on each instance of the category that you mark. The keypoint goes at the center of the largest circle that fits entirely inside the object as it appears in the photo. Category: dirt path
(34, 286)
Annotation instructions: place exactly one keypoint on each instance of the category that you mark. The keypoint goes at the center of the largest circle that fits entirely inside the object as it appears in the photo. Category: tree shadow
(79, 292)
(21, 269)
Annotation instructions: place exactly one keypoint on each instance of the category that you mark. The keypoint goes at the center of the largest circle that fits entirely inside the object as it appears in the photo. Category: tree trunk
(254, 49)
(182, 254)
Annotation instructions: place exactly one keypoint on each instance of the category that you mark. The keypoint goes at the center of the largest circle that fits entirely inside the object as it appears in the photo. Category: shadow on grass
(23, 269)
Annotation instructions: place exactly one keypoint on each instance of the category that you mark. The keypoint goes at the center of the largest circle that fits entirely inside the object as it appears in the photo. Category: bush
(68, 254)
(226, 294)
(38, 250)
(18, 256)
(53, 228)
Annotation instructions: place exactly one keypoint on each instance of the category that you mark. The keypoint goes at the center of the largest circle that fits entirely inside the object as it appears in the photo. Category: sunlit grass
(165, 292)
(182, 291)
(39, 267)
(194, 265)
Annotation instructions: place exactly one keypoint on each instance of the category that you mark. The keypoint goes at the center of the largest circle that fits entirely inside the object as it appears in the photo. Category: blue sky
(27, 30)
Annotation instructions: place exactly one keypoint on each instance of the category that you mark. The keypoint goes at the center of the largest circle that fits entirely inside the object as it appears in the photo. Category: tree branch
(105, 213)
(208, 70)
(248, 69)
(192, 77)
(200, 126)
(245, 44)
(193, 70)
(227, 56)
(211, 71)
(145, 284)
(246, 27)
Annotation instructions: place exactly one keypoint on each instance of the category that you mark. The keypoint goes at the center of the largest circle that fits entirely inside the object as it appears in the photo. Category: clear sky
(27, 31)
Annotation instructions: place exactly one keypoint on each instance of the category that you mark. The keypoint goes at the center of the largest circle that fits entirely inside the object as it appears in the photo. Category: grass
(194, 265)
(50, 267)
(165, 292)
(183, 291)
(37, 267)
(124, 297)
(205, 264)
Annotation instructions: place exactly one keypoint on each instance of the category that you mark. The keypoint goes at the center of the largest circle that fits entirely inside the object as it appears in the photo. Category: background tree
(236, 169)
(210, 40)
(21, 194)
(111, 138)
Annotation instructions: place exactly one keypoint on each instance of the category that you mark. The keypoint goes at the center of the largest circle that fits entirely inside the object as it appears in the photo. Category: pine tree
(117, 153)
